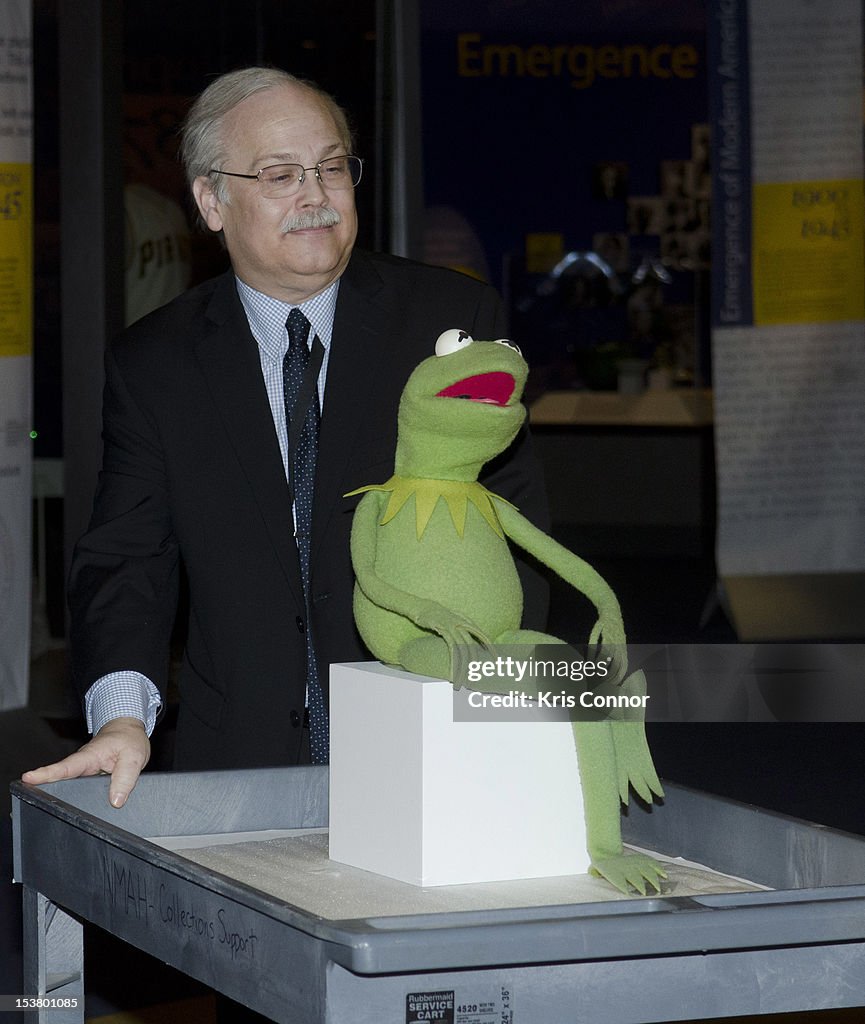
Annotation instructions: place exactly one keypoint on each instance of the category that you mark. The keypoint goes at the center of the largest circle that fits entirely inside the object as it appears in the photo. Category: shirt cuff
(124, 694)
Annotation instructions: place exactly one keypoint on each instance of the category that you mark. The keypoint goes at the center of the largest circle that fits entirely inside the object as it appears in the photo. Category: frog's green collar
(457, 494)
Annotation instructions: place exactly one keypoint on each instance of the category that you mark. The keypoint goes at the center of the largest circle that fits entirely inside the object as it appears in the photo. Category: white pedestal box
(426, 800)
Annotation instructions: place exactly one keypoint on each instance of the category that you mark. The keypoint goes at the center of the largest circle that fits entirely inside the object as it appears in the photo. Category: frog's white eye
(510, 344)
(452, 341)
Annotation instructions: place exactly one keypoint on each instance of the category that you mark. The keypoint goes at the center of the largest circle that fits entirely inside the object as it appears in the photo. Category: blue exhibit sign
(730, 107)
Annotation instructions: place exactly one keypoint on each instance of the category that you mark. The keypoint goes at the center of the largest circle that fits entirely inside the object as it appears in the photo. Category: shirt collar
(267, 317)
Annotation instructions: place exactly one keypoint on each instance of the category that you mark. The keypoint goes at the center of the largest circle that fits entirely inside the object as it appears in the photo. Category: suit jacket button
(294, 718)
(301, 625)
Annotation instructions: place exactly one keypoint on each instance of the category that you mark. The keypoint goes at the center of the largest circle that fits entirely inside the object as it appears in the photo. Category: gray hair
(202, 146)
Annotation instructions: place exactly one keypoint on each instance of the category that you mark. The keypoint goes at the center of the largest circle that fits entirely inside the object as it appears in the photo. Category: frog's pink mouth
(490, 388)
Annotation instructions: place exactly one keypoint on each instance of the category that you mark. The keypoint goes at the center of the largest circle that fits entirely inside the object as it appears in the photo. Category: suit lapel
(361, 330)
(228, 357)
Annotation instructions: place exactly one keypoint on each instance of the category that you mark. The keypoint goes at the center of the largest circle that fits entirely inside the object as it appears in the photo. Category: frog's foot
(629, 870)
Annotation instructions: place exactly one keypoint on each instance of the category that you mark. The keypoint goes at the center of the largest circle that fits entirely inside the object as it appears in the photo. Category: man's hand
(120, 749)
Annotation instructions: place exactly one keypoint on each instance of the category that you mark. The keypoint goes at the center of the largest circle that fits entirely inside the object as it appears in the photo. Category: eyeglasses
(281, 180)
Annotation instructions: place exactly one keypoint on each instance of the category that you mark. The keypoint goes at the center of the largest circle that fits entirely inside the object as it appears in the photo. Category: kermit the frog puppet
(434, 570)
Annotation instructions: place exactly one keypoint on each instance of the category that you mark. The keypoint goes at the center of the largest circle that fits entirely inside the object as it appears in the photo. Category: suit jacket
(192, 475)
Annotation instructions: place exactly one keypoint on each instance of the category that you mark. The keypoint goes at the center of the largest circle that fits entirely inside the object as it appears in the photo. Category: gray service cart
(800, 945)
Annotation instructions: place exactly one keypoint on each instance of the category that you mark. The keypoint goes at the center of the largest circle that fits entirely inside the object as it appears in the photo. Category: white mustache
(323, 217)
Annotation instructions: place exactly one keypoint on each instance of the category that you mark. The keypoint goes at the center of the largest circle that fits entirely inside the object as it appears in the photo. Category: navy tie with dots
(302, 474)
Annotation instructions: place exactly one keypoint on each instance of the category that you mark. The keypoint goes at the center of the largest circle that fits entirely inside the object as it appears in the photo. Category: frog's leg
(605, 751)
(596, 755)
(596, 751)
(529, 637)
(428, 655)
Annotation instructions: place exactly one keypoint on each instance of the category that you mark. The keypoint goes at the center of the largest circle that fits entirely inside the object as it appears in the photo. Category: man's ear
(207, 202)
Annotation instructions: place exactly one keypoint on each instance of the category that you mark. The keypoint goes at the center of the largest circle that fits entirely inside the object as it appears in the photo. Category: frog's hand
(630, 870)
(634, 765)
(453, 627)
(607, 643)
(427, 614)
(609, 630)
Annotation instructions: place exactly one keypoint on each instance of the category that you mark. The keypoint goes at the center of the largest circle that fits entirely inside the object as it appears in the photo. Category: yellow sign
(808, 252)
(16, 259)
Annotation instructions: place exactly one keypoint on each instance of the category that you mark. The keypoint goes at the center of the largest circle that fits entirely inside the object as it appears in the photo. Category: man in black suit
(197, 464)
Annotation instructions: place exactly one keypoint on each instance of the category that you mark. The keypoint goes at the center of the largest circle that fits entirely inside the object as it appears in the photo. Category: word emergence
(584, 64)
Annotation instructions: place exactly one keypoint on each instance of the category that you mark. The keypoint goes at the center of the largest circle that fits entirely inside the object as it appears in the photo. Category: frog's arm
(427, 614)
(573, 570)
(632, 762)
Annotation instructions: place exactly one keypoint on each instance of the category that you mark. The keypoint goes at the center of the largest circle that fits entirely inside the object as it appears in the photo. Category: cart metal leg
(53, 960)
